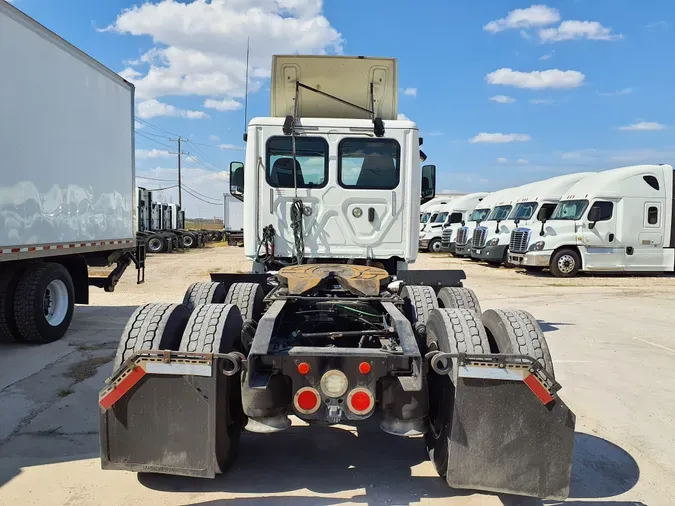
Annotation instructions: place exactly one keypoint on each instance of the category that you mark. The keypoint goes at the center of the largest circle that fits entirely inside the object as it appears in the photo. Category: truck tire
(214, 328)
(565, 263)
(155, 244)
(418, 302)
(451, 331)
(435, 245)
(204, 293)
(460, 298)
(517, 332)
(9, 279)
(152, 327)
(44, 301)
(248, 297)
(189, 241)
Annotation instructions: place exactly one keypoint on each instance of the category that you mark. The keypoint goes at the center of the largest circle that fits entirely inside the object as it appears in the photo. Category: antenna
(248, 48)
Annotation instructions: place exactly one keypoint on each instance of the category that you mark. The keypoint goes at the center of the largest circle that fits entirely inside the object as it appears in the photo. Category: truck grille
(447, 236)
(479, 237)
(520, 239)
(462, 236)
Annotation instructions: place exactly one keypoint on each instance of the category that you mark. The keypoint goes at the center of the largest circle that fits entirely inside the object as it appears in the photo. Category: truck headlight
(493, 242)
(537, 246)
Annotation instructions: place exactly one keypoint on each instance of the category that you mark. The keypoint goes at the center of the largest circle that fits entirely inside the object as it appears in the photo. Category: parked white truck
(531, 198)
(458, 212)
(611, 221)
(67, 179)
(464, 234)
(233, 219)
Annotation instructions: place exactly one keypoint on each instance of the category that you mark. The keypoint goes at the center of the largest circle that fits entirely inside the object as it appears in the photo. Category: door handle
(611, 237)
(371, 214)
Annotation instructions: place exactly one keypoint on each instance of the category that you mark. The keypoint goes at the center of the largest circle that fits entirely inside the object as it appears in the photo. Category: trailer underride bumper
(510, 433)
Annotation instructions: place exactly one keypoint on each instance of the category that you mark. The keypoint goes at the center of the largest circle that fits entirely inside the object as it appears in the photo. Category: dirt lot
(611, 342)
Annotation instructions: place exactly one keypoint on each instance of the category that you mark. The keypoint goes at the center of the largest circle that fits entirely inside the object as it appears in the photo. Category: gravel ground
(610, 339)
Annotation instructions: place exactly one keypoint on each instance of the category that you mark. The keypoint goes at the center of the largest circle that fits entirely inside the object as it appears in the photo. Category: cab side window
(606, 210)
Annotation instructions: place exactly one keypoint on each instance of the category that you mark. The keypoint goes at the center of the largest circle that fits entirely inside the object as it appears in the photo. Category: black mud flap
(504, 439)
(162, 423)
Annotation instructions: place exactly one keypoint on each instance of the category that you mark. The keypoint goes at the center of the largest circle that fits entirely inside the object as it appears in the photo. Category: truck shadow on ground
(330, 461)
(550, 326)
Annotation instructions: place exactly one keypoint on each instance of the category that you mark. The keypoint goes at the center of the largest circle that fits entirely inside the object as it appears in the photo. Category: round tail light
(360, 401)
(307, 400)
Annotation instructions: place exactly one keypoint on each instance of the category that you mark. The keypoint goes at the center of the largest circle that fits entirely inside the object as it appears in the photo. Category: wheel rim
(187, 241)
(436, 247)
(566, 264)
(155, 244)
(55, 302)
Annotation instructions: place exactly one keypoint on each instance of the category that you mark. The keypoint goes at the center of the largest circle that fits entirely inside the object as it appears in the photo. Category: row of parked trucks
(609, 221)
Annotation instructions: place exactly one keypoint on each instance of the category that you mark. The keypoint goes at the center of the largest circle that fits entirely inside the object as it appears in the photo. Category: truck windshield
(425, 217)
(499, 213)
(523, 211)
(479, 215)
(441, 217)
(570, 210)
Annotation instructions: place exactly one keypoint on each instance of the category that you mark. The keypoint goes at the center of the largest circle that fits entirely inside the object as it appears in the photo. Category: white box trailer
(233, 219)
(66, 178)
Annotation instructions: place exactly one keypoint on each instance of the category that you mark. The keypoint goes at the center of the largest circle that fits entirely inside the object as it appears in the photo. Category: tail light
(307, 400)
(360, 401)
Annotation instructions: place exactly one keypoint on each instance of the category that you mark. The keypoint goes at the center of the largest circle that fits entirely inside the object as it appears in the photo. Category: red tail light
(360, 401)
(307, 400)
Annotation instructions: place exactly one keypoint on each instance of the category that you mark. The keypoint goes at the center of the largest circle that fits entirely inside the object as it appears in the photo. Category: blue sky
(504, 92)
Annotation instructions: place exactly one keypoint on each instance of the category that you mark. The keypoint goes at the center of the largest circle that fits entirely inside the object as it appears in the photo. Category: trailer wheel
(451, 331)
(155, 244)
(152, 327)
(419, 301)
(461, 298)
(9, 279)
(248, 297)
(44, 303)
(204, 293)
(517, 332)
(213, 328)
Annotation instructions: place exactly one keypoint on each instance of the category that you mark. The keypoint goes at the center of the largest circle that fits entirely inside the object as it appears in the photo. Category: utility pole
(179, 153)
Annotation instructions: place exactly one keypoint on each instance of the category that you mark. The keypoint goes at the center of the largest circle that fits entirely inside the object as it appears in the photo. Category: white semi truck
(331, 326)
(459, 212)
(67, 179)
(612, 221)
(530, 199)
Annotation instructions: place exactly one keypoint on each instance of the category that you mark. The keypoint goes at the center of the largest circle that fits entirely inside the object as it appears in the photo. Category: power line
(200, 194)
(153, 140)
(205, 201)
(203, 164)
(141, 120)
(155, 135)
(156, 179)
(201, 152)
(164, 188)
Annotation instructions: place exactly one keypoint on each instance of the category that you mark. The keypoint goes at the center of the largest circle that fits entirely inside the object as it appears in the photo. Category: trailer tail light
(334, 383)
(303, 368)
(360, 401)
(307, 400)
(364, 368)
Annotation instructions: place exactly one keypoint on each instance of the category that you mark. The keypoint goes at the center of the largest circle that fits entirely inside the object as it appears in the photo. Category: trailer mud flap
(506, 438)
(153, 420)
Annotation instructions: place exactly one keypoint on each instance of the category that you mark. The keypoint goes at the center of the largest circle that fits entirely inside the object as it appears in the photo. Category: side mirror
(428, 183)
(237, 180)
(593, 217)
(543, 214)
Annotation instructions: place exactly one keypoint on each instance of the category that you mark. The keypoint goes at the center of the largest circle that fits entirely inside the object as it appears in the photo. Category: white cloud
(200, 46)
(143, 154)
(523, 161)
(538, 79)
(542, 101)
(501, 159)
(657, 25)
(410, 92)
(534, 16)
(502, 99)
(617, 93)
(152, 108)
(571, 30)
(434, 134)
(138, 125)
(226, 104)
(214, 138)
(644, 126)
(231, 147)
(546, 56)
(498, 138)
(402, 116)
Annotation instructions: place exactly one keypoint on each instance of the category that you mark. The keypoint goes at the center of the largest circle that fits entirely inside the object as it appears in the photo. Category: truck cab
(458, 214)
(615, 220)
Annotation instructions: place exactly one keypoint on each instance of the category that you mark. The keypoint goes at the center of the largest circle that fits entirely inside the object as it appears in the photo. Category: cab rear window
(371, 164)
(311, 162)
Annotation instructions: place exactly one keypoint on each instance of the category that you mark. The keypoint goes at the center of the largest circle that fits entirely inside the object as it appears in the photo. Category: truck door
(645, 251)
(602, 248)
(351, 188)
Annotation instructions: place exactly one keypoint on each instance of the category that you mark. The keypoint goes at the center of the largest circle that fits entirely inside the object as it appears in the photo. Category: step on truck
(330, 326)
(67, 185)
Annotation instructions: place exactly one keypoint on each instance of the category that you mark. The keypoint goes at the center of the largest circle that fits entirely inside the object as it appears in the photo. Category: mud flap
(163, 423)
(504, 439)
